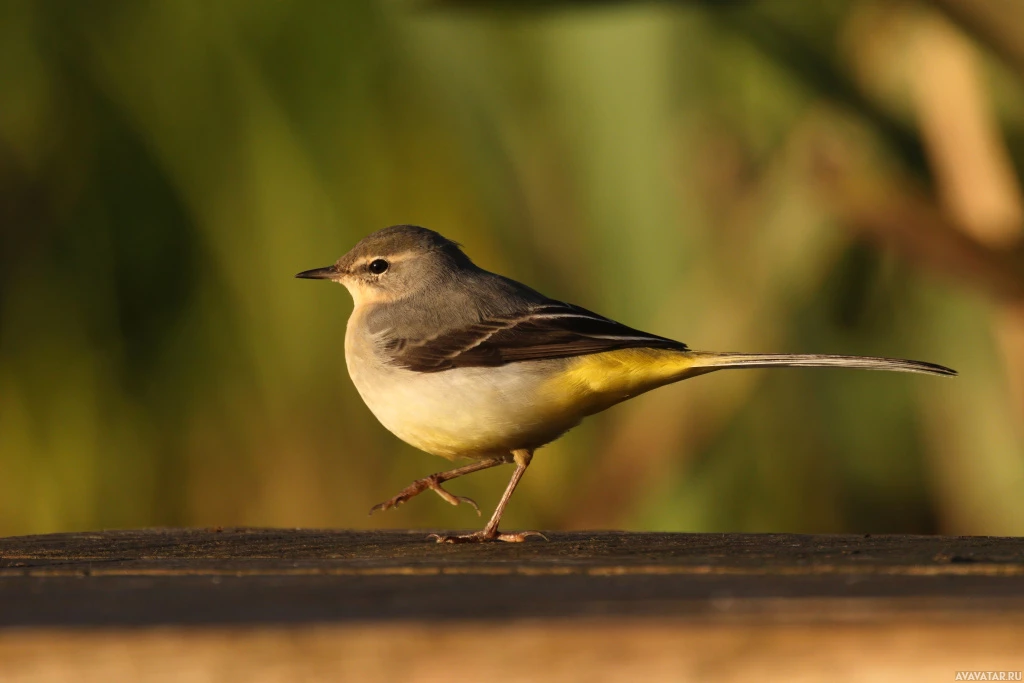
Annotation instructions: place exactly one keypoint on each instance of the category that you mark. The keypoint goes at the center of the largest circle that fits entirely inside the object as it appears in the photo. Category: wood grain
(280, 604)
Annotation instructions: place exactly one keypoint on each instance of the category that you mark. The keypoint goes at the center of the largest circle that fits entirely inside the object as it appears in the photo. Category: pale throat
(365, 295)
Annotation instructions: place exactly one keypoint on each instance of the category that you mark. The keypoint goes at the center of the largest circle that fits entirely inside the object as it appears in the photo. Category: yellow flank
(595, 382)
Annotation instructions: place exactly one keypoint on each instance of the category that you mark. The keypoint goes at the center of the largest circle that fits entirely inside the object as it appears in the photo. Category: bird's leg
(434, 481)
(490, 532)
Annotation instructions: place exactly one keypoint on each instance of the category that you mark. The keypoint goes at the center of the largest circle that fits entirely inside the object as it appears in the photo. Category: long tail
(721, 361)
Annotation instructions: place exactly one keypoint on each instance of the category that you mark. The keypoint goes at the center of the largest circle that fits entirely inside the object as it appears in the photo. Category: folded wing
(549, 330)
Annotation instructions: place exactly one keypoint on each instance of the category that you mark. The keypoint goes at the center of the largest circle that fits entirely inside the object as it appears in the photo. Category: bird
(463, 363)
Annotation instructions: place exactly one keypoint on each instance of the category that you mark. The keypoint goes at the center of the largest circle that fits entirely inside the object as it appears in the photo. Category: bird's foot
(485, 536)
(418, 487)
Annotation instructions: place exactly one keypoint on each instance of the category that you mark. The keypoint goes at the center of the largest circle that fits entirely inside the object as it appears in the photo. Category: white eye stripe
(392, 259)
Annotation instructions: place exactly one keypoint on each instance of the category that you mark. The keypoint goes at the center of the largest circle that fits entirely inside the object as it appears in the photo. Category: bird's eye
(378, 266)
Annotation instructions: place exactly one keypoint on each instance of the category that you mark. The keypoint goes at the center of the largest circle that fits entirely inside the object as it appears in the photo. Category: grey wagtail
(461, 362)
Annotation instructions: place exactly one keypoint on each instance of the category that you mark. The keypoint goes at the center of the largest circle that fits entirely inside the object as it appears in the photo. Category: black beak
(326, 273)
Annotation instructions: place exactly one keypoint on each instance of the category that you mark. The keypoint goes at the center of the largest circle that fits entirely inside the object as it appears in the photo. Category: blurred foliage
(761, 176)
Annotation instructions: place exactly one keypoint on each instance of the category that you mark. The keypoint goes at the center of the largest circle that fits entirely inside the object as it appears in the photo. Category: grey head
(426, 280)
(394, 263)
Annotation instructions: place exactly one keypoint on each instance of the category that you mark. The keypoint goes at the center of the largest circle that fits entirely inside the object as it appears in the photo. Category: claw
(418, 487)
(520, 536)
(386, 505)
(484, 537)
(468, 501)
(453, 499)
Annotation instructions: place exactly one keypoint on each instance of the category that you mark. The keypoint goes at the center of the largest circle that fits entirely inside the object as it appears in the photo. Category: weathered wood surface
(290, 605)
(267, 576)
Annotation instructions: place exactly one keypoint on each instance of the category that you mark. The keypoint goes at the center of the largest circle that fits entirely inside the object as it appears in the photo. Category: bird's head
(394, 263)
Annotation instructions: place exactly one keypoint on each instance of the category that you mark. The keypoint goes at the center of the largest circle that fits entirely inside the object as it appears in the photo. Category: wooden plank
(288, 605)
(272, 576)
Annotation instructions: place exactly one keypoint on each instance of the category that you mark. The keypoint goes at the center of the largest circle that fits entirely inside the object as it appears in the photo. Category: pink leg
(490, 532)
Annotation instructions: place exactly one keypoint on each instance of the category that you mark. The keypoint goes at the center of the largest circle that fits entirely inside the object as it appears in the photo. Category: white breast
(473, 412)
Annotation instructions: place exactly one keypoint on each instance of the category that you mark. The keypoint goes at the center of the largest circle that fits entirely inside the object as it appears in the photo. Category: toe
(482, 537)
(470, 502)
(386, 505)
(477, 537)
(519, 537)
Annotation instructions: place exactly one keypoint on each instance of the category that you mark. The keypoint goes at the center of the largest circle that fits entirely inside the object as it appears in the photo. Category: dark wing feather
(551, 330)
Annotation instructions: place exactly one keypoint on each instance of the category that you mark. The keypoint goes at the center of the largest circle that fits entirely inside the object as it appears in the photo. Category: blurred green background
(838, 177)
